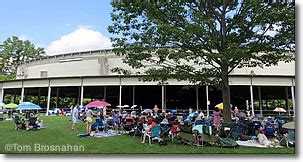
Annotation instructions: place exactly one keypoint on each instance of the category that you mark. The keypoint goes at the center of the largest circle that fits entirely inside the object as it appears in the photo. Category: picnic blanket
(104, 134)
(249, 143)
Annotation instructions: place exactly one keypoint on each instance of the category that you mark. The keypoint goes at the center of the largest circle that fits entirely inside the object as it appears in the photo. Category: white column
(57, 96)
(82, 92)
(252, 101)
(207, 101)
(163, 98)
(39, 95)
(1, 94)
(287, 103)
(22, 92)
(120, 93)
(197, 97)
(260, 100)
(104, 94)
(293, 98)
(48, 98)
(134, 94)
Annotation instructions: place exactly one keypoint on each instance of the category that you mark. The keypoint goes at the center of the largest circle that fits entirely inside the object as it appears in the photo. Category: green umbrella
(11, 106)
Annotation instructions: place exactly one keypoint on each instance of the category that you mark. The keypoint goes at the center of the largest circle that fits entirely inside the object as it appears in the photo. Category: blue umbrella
(173, 111)
(148, 111)
(191, 115)
(28, 106)
(2, 104)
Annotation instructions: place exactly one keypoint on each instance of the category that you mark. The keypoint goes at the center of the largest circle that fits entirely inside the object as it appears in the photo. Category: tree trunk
(226, 96)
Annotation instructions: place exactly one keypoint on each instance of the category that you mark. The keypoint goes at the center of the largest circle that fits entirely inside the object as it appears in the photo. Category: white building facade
(85, 70)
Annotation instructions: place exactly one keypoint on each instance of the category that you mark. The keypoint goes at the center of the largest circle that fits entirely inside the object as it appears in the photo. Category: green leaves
(202, 41)
(203, 32)
(15, 51)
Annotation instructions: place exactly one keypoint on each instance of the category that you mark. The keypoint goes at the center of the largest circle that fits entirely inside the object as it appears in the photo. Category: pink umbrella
(97, 103)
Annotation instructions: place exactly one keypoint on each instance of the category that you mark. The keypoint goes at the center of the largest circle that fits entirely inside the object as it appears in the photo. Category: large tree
(202, 41)
(14, 51)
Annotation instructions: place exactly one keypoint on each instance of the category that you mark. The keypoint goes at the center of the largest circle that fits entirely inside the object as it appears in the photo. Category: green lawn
(58, 133)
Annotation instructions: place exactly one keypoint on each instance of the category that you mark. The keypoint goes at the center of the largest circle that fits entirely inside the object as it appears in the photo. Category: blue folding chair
(199, 122)
(269, 130)
(98, 125)
(155, 134)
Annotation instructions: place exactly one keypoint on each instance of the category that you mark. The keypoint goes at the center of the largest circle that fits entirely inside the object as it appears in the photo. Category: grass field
(58, 133)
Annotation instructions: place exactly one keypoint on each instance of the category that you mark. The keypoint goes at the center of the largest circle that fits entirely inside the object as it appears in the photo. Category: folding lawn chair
(138, 130)
(198, 131)
(155, 134)
(269, 130)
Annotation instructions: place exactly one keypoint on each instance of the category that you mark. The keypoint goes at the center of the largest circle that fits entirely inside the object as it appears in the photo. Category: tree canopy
(202, 41)
(14, 51)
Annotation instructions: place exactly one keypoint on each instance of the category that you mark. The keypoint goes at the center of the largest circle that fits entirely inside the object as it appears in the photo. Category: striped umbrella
(2, 104)
(28, 106)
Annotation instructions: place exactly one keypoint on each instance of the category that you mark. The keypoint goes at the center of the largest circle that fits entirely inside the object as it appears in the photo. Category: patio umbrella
(173, 111)
(220, 106)
(279, 109)
(11, 106)
(134, 106)
(241, 115)
(148, 111)
(191, 115)
(97, 103)
(2, 104)
(28, 106)
(290, 125)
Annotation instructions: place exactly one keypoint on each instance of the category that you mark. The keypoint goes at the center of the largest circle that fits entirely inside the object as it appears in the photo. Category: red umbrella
(97, 103)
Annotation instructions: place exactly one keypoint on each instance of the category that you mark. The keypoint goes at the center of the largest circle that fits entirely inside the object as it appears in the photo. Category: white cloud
(82, 39)
(23, 37)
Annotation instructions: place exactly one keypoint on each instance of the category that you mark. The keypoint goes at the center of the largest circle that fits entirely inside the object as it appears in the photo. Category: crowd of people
(243, 127)
(28, 121)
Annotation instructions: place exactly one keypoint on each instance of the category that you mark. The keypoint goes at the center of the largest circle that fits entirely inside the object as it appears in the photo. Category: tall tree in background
(14, 51)
(204, 41)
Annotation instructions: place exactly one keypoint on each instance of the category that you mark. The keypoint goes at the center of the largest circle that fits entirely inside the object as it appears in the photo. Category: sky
(59, 26)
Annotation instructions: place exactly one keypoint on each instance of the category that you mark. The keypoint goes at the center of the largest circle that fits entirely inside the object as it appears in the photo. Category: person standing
(155, 109)
(75, 113)
(217, 118)
(62, 112)
(117, 120)
(89, 120)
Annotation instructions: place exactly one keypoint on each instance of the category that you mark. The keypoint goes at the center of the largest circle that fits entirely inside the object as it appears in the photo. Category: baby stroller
(19, 123)
(110, 123)
(165, 131)
(138, 129)
(128, 124)
(98, 125)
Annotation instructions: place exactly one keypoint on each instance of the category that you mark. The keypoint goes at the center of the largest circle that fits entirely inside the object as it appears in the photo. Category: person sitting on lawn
(149, 119)
(149, 129)
(263, 140)
(175, 129)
